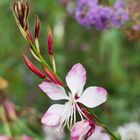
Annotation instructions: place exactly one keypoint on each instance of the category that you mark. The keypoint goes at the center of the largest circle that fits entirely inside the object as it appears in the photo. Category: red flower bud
(52, 76)
(32, 67)
(50, 42)
(37, 27)
(86, 113)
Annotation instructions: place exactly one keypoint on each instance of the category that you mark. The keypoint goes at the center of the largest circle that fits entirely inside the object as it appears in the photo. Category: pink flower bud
(52, 76)
(32, 67)
(82, 129)
(50, 42)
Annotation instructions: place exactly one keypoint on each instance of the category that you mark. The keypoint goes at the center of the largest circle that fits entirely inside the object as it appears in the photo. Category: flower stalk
(20, 12)
(54, 87)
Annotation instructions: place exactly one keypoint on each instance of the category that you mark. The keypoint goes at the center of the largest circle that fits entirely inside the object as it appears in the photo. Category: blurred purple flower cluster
(90, 13)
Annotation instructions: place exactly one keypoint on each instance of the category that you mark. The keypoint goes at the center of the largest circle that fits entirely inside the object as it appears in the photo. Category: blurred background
(110, 58)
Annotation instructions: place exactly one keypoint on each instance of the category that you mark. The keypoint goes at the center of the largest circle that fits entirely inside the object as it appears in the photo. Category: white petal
(93, 96)
(65, 115)
(54, 91)
(76, 79)
(53, 116)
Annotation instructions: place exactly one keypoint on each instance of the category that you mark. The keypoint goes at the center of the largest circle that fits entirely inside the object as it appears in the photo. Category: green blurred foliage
(111, 60)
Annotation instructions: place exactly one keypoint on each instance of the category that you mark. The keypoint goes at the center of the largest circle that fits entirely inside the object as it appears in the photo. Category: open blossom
(85, 12)
(59, 115)
(90, 13)
(104, 16)
(130, 131)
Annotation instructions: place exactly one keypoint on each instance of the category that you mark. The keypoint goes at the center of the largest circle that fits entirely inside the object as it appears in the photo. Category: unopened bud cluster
(21, 12)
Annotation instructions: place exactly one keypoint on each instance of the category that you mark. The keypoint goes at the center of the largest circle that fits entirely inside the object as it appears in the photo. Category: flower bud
(21, 11)
(29, 36)
(50, 42)
(37, 27)
(32, 67)
(52, 76)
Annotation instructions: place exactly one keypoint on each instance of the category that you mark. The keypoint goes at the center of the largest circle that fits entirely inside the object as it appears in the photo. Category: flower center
(69, 113)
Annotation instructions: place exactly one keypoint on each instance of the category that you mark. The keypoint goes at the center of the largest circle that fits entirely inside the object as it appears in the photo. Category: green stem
(27, 129)
(37, 53)
(42, 59)
(7, 129)
(102, 124)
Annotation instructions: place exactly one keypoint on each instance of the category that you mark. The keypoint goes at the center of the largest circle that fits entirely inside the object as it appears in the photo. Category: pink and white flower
(87, 129)
(59, 115)
(82, 130)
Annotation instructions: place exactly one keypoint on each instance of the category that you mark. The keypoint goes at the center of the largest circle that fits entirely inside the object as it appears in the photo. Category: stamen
(72, 116)
(74, 113)
(79, 111)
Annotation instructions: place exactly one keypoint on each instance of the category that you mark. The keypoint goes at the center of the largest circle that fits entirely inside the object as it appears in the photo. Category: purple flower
(85, 12)
(105, 15)
(90, 14)
(120, 14)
